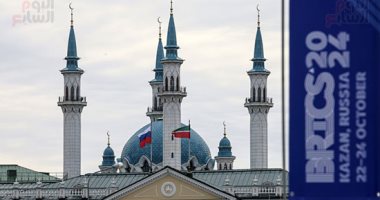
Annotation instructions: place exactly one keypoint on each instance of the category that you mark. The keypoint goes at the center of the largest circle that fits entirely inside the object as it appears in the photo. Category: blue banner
(334, 99)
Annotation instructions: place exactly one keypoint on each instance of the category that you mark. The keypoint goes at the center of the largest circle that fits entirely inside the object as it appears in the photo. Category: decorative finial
(72, 18)
(224, 125)
(108, 135)
(159, 22)
(258, 15)
(171, 6)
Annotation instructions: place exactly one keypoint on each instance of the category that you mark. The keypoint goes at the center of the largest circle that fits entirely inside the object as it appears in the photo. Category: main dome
(133, 153)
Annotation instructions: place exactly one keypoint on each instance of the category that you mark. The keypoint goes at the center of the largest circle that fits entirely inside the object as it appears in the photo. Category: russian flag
(145, 137)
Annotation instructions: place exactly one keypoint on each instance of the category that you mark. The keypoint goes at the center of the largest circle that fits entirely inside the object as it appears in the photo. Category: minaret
(258, 105)
(225, 159)
(171, 97)
(72, 104)
(155, 112)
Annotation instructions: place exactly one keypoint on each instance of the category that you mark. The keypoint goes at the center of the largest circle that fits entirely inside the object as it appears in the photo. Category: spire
(159, 56)
(171, 41)
(72, 58)
(258, 57)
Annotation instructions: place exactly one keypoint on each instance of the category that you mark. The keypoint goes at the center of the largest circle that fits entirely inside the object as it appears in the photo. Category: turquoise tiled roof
(132, 151)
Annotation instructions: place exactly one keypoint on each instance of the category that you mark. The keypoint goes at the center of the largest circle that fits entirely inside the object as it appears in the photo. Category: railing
(255, 191)
(27, 177)
(174, 89)
(150, 109)
(252, 100)
(53, 193)
(64, 99)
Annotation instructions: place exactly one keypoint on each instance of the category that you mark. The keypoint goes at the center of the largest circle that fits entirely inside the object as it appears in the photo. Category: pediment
(169, 184)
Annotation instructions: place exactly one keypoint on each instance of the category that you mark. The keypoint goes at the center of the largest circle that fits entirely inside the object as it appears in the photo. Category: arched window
(166, 84)
(253, 94)
(146, 167)
(154, 103)
(72, 91)
(66, 93)
(172, 155)
(78, 93)
(177, 84)
(171, 83)
(259, 94)
(265, 94)
(191, 166)
(220, 166)
(230, 166)
(225, 166)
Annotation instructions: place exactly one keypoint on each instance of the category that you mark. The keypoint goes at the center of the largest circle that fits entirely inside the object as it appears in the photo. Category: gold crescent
(257, 7)
(71, 8)
(158, 20)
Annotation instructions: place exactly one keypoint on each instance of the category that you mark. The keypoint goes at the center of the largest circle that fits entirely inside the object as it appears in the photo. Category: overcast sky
(117, 42)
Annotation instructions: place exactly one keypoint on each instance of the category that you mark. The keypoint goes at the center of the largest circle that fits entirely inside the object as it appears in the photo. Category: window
(220, 166)
(78, 93)
(166, 84)
(265, 94)
(177, 84)
(172, 155)
(66, 93)
(72, 93)
(230, 166)
(11, 176)
(171, 83)
(225, 166)
(259, 94)
(253, 94)
(146, 167)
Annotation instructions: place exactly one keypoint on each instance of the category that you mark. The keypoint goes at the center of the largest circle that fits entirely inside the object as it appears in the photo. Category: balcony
(72, 101)
(258, 102)
(181, 91)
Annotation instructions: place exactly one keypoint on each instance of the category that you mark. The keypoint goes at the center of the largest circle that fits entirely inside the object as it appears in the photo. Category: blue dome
(224, 142)
(225, 148)
(132, 151)
(108, 157)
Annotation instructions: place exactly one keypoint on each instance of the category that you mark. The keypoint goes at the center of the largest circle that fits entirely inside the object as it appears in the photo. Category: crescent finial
(258, 15)
(159, 22)
(72, 18)
(108, 138)
(224, 125)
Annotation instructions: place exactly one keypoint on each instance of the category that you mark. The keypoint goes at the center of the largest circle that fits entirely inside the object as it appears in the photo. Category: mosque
(168, 167)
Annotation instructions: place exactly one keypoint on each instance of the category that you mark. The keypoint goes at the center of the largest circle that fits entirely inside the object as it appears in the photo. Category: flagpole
(151, 144)
(189, 142)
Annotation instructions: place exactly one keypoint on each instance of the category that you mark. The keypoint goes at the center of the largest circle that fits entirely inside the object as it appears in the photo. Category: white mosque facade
(169, 167)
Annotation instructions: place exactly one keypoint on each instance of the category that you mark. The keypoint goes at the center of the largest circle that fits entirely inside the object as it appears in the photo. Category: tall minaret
(72, 104)
(171, 97)
(258, 105)
(155, 112)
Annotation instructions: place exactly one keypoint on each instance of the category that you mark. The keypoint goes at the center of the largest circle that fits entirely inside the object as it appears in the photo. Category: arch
(154, 103)
(253, 94)
(259, 94)
(66, 93)
(225, 166)
(78, 93)
(72, 93)
(192, 166)
(265, 94)
(171, 83)
(220, 166)
(166, 84)
(177, 84)
(230, 166)
(145, 167)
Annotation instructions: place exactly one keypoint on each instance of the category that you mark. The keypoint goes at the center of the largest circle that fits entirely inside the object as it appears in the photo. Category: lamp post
(116, 166)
